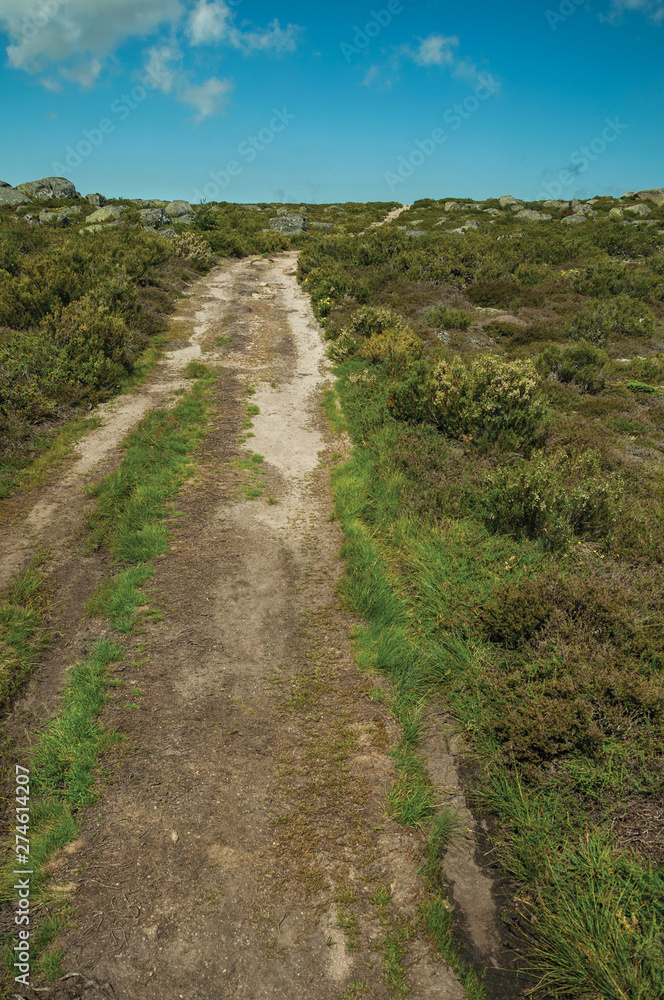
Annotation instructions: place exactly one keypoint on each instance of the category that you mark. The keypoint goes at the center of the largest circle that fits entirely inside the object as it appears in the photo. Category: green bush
(620, 316)
(92, 338)
(581, 363)
(454, 319)
(553, 498)
(491, 402)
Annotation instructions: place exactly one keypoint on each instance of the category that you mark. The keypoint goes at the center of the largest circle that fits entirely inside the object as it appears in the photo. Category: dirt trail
(241, 837)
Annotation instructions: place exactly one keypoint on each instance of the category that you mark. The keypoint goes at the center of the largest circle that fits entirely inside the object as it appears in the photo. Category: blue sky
(251, 100)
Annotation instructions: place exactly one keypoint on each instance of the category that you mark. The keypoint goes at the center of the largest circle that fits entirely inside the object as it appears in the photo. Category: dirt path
(241, 839)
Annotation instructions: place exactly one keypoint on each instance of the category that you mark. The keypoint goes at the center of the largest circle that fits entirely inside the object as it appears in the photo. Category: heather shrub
(619, 316)
(491, 402)
(581, 363)
(343, 347)
(553, 498)
(195, 248)
(443, 317)
(92, 338)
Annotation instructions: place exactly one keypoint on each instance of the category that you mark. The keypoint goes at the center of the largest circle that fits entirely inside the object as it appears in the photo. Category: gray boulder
(416, 232)
(289, 225)
(154, 218)
(492, 211)
(322, 225)
(529, 213)
(639, 209)
(639, 222)
(107, 214)
(48, 188)
(96, 199)
(452, 206)
(62, 217)
(184, 220)
(506, 201)
(178, 208)
(616, 213)
(283, 211)
(551, 203)
(11, 196)
(570, 220)
(653, 194)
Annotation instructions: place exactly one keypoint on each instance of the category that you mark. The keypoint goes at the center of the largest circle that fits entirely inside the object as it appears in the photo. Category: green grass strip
(133, 501)
(62, 783)
(22, 607)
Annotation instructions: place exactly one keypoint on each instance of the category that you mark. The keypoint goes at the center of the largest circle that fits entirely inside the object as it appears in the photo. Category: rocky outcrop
(176, 209)
(529, 213)
(322, 225)
(154, 218)
(572, 219)
(506, 201)
(639, 209)
(289, 225)
(10, 196)
(48, 188)
(96, 199)
(62, 217)
(109, 213)
(655, 195)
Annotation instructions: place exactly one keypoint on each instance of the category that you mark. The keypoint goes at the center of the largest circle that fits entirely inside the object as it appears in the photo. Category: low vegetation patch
(503, 509)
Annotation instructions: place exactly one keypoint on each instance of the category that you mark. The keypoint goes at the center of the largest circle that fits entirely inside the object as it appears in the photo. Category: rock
(283, 211)
(252, 208)
(452, 206)
(154, 218)
(62, 217)
(4, 184)
(506, 201)
(177, 208)
(441, 222)
(529, 213)
(616, 213)
(416, 232)
(96, 199)
(639, 209)
(149, 203)
(322, 225)
(556, 204)
(107, 214)
(468, 226)
(653, 194)
(93, 229)
(569, 220)
(12, 196)
(289, 225)
(492, 211)
(184, 220)
(639, 222)
(48, 188)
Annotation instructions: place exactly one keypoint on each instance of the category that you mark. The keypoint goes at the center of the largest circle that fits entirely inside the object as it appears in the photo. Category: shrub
(195, 248)
(455, 319)
(581, 363)
(552, 498)
(369, 321)
(491, 401)
(343, 347)
(499, 328)
(618, 316)
(92, 339)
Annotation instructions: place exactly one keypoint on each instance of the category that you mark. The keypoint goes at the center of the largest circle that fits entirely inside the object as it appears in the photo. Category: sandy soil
(245, 811)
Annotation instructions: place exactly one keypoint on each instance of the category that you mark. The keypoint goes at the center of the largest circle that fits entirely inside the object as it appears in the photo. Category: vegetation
(504, 517)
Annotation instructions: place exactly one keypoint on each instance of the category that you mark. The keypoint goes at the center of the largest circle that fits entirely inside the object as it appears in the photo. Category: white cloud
(78, 35)
(212, 22)
(653, 9)
(435, 50)
(209, 99)
(161, 65)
